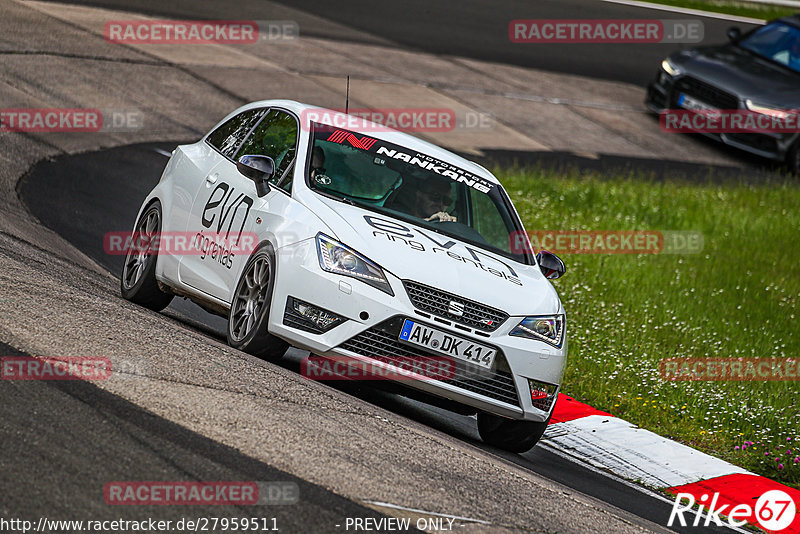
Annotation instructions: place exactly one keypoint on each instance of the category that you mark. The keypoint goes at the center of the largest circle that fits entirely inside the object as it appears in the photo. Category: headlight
(335, 257)
(548, 328)
(766, 110)
(670, 68)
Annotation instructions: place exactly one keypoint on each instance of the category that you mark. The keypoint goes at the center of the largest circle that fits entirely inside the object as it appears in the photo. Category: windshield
(778, 42)
(405, 184)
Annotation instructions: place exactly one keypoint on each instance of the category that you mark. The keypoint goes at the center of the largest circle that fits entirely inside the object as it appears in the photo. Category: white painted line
(612, 476)
(448, 516)
(162, 152)
(633, 453)
(686, 11)
(782, 3)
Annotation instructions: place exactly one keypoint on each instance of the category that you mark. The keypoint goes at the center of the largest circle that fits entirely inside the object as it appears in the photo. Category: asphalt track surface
(70, 195)
(474, 29)
(89, 437)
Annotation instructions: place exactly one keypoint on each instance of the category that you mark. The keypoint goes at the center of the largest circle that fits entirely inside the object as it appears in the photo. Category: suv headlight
(766, 110)
(670, 68)
(547, 328)
(337, 258)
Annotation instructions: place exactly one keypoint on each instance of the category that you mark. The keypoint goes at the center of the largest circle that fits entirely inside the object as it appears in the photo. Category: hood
(413, 253)
(743, 74)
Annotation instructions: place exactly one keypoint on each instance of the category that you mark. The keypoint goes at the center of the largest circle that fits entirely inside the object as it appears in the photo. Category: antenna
(347, 97)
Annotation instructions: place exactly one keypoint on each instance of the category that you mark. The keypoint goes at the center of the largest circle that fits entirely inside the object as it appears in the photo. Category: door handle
(212, 178)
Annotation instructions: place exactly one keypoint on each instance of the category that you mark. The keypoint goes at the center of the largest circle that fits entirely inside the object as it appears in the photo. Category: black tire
(138, 279)
(793, 158)
(509, 434)
(249, 315)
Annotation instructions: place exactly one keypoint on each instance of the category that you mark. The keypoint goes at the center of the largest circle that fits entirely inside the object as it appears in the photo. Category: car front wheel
(509, 434)
(249, 315)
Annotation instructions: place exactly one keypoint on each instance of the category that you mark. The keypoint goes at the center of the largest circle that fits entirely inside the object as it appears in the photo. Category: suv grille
(380, 343)
(437, 302)
(704, 92)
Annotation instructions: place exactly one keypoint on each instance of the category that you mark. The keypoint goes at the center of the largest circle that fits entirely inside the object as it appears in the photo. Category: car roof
(334, 118)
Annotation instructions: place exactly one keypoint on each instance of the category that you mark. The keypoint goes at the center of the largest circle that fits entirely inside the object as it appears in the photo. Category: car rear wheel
(249, 315)
(509, 434)
(138, 281)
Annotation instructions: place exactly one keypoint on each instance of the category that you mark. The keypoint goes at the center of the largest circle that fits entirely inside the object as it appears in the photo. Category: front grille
(704, 92)
(380, 343)
(437, 302)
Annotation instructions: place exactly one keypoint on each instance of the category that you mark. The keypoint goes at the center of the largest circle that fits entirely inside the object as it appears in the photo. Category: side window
(276, 137)
(228, 136)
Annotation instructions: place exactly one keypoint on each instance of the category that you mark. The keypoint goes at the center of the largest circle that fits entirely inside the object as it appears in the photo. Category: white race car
(371, 246)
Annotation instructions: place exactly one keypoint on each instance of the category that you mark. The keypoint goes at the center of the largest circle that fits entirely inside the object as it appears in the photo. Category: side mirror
(551, 265)
(259, 169)
(734, 33)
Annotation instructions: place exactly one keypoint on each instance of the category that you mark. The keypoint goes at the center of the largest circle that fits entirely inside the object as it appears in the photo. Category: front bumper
(370, 333)
(662, 95)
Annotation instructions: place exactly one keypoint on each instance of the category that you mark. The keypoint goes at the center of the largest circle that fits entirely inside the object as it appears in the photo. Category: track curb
(604, 441)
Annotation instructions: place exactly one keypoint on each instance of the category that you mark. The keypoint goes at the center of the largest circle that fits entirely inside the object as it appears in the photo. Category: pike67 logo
(774, 511)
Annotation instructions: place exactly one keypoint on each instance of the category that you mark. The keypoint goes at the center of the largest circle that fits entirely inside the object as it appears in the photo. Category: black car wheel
(508, 434)
(249, 315)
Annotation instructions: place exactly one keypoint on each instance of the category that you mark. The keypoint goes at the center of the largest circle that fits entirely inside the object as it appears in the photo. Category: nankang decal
(439, 167)
(385, 149)
(418, 240)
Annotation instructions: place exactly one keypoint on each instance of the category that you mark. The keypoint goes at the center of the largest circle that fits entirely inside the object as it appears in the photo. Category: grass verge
(728, 7)
(739, 297)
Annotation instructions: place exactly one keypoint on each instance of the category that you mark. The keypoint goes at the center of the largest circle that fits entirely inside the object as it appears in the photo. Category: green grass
(739, 297)
(733, 7)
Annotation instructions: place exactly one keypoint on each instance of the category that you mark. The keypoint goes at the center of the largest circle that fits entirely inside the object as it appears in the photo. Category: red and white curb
(611, 444)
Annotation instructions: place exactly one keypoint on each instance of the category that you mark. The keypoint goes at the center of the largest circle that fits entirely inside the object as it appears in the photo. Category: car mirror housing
(551, 265)
(734, 33)
(259, 169)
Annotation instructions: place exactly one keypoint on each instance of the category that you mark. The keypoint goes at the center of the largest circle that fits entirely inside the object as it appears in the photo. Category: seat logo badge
(455, 308)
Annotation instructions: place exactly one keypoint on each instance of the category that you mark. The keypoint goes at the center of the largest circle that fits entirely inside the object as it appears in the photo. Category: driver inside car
(429, 200)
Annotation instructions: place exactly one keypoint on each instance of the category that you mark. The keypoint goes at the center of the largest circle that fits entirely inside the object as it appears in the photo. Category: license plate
(446, 343)
(687, 102)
